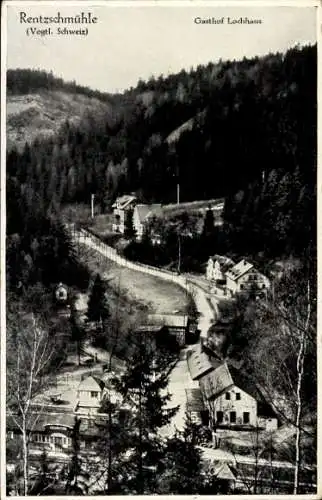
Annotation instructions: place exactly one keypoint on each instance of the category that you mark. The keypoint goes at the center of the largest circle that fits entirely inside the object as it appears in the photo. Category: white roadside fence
(206, 313)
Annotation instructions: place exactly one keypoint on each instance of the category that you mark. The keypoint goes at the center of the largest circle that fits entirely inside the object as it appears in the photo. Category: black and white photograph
(159, 249)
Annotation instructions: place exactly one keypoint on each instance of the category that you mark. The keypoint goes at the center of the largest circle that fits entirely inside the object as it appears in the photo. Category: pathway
(207, 311)
(179, 378)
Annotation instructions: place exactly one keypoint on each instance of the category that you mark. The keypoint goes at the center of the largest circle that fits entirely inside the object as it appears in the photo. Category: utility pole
(178, 203)
(92, 205)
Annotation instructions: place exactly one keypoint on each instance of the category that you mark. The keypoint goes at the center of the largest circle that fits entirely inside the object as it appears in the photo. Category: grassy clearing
(159, 295)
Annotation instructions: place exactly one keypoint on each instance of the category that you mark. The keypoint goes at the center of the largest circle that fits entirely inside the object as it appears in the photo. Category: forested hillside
(28, 81)
(38, 104)
(242, 131)
(249, 129)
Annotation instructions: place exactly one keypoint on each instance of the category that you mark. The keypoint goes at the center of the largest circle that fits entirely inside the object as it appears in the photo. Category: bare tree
(278, 354)
(29, 351)
(303, 331)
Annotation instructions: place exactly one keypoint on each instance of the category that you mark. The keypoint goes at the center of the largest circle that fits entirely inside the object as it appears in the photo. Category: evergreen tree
(209, 224)
(72, 487)
(113, 445)
(141, 386)
(180, 471)
(98, 309)
(77, 331)
(129, 231)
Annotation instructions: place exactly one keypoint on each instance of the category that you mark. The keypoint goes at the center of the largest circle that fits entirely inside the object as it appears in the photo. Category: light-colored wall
(85, 397)
(270, 424)
(209, 270)
(246, 404)
(247, 281)
(213, 271)
(120, 226)
(137, 225)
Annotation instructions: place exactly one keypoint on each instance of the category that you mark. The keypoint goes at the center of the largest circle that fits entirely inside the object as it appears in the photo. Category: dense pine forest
(243, 130)
(28, 81)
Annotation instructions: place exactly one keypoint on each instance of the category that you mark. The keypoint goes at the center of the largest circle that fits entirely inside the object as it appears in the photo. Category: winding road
(179, 378)
(207, 312)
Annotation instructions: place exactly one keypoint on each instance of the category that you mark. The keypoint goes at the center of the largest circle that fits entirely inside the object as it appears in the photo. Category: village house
(234, 401)
(217, 266)
(120, 208)
(90, 394)
(52, 432)
(225, 475)
(177, 325)
(195, 406)
(142, 215)
(200, 363)
(245, 278)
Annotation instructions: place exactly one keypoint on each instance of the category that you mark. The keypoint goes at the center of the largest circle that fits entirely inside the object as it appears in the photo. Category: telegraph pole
(178, 203)
(92, 205)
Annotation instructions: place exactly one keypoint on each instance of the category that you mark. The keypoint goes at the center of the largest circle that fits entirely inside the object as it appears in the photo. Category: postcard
(159, 249)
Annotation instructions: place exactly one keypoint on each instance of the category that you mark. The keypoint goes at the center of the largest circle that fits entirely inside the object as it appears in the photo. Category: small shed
(195, 406)
(176, 324)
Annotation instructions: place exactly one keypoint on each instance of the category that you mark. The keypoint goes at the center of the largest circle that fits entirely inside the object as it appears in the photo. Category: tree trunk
(141, 486)
(300, 363)
(300, 370)
(109, 465)
(25, 458)
(78, 344)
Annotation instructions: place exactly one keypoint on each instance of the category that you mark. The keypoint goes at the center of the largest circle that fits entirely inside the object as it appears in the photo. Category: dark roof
(225, 262)
(194, 400)
(216, 382)
(200, 363)
(41, 422)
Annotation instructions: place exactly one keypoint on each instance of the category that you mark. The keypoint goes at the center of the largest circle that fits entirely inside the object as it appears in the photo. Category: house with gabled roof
(217, 266)
(195, 406)
(120, 207)
(142, 215)
(90, 393)
(52, 431)
(200, 363)
(245, 278)
(177, 325)
(234, 401)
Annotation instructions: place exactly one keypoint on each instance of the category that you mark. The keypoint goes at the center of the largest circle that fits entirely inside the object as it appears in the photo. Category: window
(232, 417)
(238, 396)
(227, 395)
(94, 394)
(246, 417)
(220, 417)
(241, 286)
